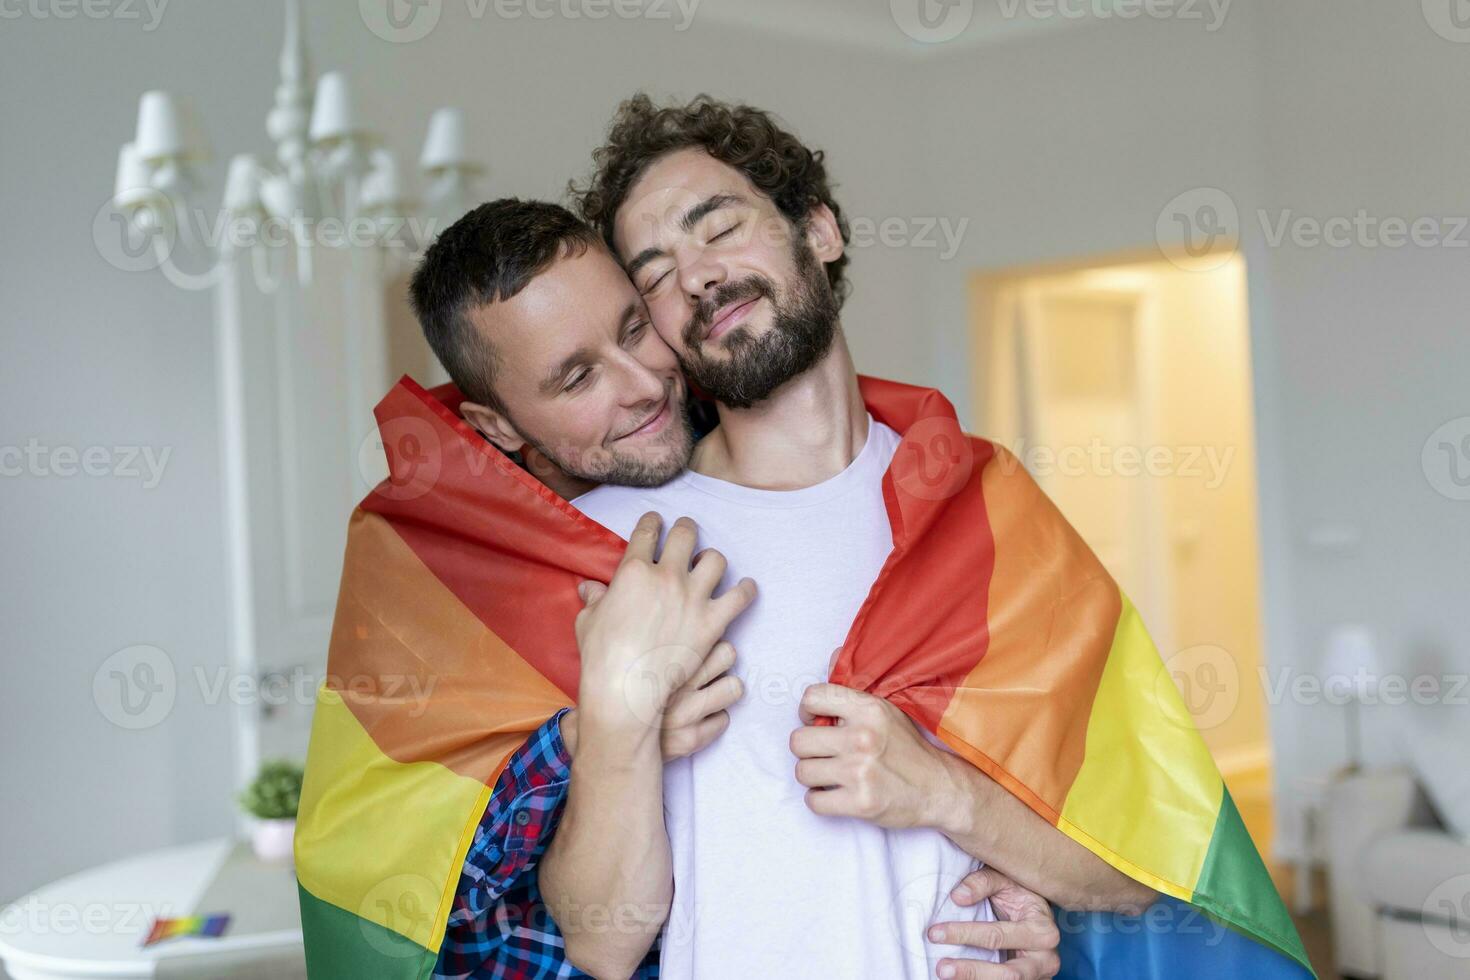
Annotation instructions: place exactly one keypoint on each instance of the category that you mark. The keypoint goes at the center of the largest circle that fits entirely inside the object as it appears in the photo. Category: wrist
(614, 734)
(960, 798)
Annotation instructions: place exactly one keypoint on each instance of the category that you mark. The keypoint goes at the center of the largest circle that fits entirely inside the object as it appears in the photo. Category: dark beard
(801, 333)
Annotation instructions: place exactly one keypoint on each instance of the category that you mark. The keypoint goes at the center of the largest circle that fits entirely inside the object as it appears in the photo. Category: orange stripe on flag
(423, 675)
(1052, 614)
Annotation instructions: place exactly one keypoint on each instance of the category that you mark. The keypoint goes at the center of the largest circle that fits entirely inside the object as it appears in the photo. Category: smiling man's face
(736, 289)
(583, 376)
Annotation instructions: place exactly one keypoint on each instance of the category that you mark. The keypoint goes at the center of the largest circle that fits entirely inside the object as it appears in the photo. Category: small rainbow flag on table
(992, 625)
(211, 926)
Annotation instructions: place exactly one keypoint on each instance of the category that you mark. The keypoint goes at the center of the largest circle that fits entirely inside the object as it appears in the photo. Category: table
(93, 924)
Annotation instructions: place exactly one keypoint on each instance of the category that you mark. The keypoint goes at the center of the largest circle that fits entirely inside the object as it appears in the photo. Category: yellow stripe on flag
(389, 871)
(1148, 792)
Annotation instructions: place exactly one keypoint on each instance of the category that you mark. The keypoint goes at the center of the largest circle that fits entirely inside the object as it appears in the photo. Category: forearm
(607, 878)
(994, 826)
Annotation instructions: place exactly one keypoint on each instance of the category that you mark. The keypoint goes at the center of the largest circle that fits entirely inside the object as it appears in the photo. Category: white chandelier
(333, 181)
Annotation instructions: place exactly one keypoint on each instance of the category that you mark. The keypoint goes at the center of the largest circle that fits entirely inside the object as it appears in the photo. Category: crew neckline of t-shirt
(857, 473)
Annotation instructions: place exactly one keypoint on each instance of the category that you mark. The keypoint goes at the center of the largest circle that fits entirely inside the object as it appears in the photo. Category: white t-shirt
(763, 887)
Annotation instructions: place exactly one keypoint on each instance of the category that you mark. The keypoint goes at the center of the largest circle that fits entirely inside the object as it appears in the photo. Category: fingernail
(582, 591)
(962, 893)
(946, 970)
(936, 934)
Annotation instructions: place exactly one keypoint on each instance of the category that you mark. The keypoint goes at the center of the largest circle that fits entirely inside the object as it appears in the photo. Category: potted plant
(272, 799)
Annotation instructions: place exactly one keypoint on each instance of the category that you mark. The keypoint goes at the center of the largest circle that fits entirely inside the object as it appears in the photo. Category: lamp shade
(333, 115)
(444, 147)
(131, 186)
(161, 128)
(1350, 665)
(242, 186)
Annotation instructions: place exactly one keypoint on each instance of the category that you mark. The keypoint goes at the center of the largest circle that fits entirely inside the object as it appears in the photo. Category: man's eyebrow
(583, 355)
(553, 377)
(686, 224)
(712, 203)
(633, 308)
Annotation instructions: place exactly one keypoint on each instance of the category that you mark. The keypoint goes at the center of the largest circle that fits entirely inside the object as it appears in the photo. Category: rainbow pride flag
(207, 926)
(992, 625)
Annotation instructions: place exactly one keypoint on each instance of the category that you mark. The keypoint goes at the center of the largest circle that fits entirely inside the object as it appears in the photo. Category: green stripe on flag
(1235, 887)
(341, 945)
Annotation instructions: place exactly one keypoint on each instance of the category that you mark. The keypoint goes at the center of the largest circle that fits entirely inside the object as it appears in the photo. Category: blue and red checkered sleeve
(499, 927)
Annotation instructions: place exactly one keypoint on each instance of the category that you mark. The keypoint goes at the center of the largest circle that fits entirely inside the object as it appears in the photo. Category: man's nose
(641, 383)
(701, 277)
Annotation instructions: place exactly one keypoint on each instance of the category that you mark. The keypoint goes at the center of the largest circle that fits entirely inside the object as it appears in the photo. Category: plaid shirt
(499, 927)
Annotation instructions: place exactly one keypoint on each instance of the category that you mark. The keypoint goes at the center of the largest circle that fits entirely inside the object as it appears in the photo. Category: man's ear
(823, 234)
(493, 425)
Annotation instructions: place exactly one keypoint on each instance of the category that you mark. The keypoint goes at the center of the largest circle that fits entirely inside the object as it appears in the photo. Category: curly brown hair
(740, 136)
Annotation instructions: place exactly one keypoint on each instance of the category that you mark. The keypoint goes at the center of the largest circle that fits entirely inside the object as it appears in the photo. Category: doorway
(1124, 385)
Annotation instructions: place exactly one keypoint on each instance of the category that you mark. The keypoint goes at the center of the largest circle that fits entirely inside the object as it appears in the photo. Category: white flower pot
(272, 839)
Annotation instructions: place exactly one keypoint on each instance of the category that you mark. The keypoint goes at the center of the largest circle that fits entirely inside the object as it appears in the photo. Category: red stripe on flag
(509, 548)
